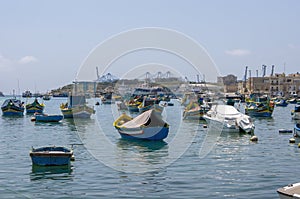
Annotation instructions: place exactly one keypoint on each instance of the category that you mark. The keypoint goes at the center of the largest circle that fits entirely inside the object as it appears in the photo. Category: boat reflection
(78, 124)
(51, 172)
(141, 145)
(141, 156)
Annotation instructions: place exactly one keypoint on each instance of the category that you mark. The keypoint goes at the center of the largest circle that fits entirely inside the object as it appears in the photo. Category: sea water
(188, 164)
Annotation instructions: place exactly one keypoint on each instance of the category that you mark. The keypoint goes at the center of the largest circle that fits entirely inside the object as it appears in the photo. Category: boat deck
(292, 190)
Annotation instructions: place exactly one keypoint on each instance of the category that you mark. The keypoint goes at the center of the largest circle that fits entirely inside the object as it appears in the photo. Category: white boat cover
(226, 110)
(149, 118)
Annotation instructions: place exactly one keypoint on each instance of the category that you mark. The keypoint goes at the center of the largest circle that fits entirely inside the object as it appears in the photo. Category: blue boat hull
(34, 111)
(51, 156)
(282, 105)
(12, 107)
(52, 118)
(133, 109)
(12, 113)
(51, 160)
(149, 133)
(259, 114)
(297, 130)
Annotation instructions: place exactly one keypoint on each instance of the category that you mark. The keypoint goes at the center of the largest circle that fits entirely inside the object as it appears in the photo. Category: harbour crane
(272, 71)
(245, 75)
(264, 67)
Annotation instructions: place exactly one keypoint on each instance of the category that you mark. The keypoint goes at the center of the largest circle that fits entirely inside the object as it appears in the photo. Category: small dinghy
(51, 156)
(46, 118)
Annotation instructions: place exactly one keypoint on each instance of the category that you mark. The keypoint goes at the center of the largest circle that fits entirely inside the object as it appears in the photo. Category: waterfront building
(229, 83)
(275, 85)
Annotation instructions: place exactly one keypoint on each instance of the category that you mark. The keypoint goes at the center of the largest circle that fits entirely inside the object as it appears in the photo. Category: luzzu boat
(76, 108)
(281, 102)
(147, 104)
(147, 126)
(296, 113)
(12, 107)
(51, 156)
(297, 130)
(194, 111)
(34, 107)
(133, 104)
(261, 107)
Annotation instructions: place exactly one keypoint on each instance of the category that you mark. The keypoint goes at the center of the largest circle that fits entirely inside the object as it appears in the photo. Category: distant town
(274, 85)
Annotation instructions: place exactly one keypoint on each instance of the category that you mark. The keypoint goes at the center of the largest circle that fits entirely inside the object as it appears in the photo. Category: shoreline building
(274, 85)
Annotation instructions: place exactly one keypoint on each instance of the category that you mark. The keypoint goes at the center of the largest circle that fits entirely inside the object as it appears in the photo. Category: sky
(43, 44)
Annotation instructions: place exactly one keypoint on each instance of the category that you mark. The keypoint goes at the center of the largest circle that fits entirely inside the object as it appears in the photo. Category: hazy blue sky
(43, 43)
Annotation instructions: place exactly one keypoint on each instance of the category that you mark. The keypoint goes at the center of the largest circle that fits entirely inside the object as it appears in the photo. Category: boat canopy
(225, 110)
(148, 118)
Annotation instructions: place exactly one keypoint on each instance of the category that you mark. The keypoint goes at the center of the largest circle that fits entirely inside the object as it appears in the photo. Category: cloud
(27, 59)
(238, 52)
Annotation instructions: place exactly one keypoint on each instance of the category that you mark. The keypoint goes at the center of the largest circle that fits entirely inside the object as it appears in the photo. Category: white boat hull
(290, 191)
(229, 119)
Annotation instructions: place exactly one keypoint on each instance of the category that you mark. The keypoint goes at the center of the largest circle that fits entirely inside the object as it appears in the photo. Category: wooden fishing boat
(46, 97)
(147, 126)
(194, 111)
(27, 94)
(292, 101)
(106, 98)
(289, 191)
(12, 107)
(133, 104)
(297, 130)
(296, 113)
(147, 104)
(259, 109)
(51, 156)
(47, 118)
(34, 107)
(76, 108)
(282, 103)
(259, 106)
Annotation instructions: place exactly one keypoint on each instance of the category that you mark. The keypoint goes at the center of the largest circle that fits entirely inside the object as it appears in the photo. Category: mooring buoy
(285, 131)
(292, 140)
(254, 138)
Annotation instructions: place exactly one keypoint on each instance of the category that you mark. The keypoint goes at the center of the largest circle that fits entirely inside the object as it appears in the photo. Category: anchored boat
(76, 107)
(296, 113)
(12, 107)
(47, 118)
(297, 130)
(259, 106)
(229, 118)
(51, 156)
(35, 107)
(289, 191)
(147, 126)
(194, 111)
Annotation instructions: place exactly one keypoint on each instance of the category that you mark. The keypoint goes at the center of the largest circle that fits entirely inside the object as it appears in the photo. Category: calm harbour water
(234, 168)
